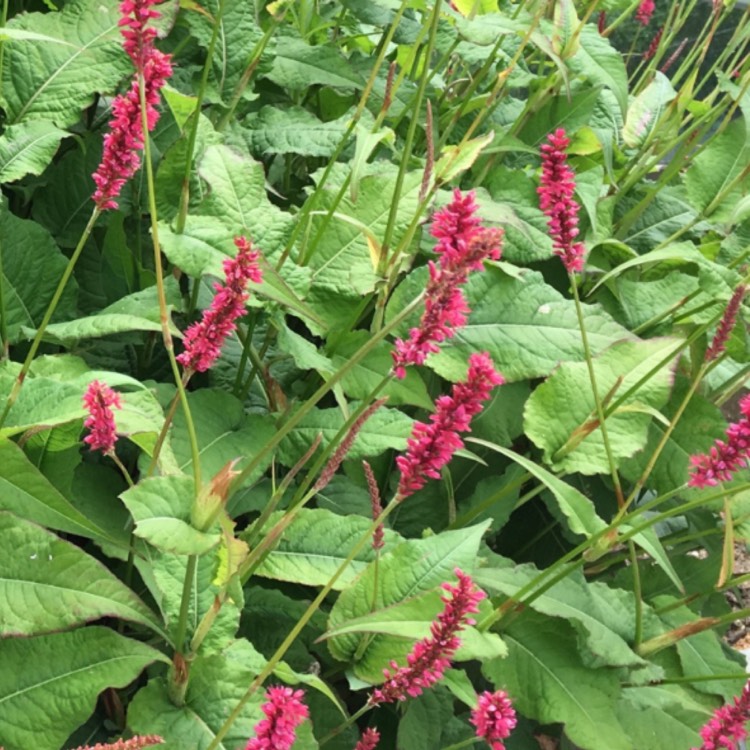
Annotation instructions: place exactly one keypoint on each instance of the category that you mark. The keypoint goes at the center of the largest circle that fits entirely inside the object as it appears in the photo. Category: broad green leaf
(225, 433)
(426, 720)
(28, 148)
(54, 82)
(29, 279)
(49, 684)
(298, 66)
(95, 326)
(236, 195)
(599, 614)
(217, 682)
(457, 159)
(549, 683)
(161, 509)
(294, 130)
(646, 109)
(526, 326)
(725, 159)
(573, 504)
(385, 429)
(315, 544)
(341, 263)
(480, 7)
(48, 584)
(560, 416)
(25, 491)
(409, 571)
(381, 13)
(562, 111)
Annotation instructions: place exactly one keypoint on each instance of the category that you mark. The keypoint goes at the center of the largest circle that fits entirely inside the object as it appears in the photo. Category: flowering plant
(372, 374)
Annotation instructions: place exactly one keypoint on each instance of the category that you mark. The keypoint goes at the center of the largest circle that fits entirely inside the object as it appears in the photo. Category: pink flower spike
(120, 158)
(284, 711)
(99, 400)
(724, 458)
(727, 726)
(645, 11)
(431, 656)
(556, 189)
(726, 324)
(494, 718)
(204, 339)
(369, 740)
(463, 246)
(432, 445)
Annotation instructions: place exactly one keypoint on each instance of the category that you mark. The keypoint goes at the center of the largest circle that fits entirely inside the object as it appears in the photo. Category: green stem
(185, 193)
(4, 343)
(597, 400)
(297, 629)
(187, 596)
(638, 630)
(18, 384)
(3, 21)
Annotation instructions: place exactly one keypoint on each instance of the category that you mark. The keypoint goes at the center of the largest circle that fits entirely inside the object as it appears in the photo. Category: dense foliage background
(328, 133)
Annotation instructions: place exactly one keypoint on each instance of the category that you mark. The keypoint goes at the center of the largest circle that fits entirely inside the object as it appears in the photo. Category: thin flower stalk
(726, 456)
(463, 246)
(494, 718)
(284, 711)
(556, 189)
(369, 739)
(99, 401)
(203, 340)
(430, 657)
(726, 325)
(125, 140)
(726, 728)
(432, 445)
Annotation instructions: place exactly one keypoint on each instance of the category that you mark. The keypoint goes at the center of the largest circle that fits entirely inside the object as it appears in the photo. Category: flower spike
(284, 711)
(99, 400)
(727, 726)
(494, 718)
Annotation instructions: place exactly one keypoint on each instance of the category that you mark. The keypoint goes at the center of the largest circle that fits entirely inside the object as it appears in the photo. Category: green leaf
(225, 433)
(25, 491)
(54, 82)
(217, 683)
(723, 160)
(28, 148)
(161, 508)
(597, 612)
(294, 130)
(385, 429)
(527, 327)
(315, 544)
(425, 720)
(49, 684)
(646, 109)
(573, 504)
(560, 415)
(29, 279)
(48, 584)
(413, 568)
(298, 66)
(95, 326)
(549, 683)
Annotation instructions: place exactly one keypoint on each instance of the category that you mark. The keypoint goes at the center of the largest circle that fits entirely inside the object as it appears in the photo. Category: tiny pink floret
(204, 339)
(494, 718)
(556, 189)
(725, 457)
(430, 657)
(284, 712)
(432, 445)
(99, 400)
(727, 726)
(463, 246)
(121, 157)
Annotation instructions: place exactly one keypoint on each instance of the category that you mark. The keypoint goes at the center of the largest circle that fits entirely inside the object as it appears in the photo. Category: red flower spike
(432, 445)
(204, 339)
(724, 458)
(134, 743)
(284, 711)
(726, 324)
(556, 189)
(494, 718)
(99, 400)
(120, 158)
(654, 45)
(369, 740)
(645, 11)
(463, 246)
(431, 656)
(727, 726)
